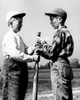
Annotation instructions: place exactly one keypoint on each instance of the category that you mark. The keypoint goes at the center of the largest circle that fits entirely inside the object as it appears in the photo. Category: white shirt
(14, 46)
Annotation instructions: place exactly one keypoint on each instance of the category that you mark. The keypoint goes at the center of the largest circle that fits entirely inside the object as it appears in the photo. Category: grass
(44, 83)
(44, 86)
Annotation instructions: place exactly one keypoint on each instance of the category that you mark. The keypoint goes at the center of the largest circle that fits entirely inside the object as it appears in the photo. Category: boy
(58, 53)
(16, 55)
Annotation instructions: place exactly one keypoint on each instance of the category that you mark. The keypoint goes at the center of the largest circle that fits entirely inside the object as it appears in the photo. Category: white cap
(13, 14)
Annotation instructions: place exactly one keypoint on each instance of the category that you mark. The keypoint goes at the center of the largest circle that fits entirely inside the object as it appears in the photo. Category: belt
(7, 56)
(65, 58)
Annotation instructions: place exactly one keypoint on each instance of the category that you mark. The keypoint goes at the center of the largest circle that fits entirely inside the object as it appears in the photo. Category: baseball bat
(35, 80)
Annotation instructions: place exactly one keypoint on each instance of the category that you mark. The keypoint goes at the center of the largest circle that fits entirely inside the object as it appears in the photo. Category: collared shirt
(14, 46)
(62, 45)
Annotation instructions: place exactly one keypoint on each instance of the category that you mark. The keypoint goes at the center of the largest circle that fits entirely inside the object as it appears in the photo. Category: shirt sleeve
(67, 49)
(28, 50)
(51, 51)
(62, 46)
(10, 47)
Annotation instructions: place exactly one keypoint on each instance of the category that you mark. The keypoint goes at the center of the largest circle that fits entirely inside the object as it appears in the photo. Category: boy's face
(55, 21)
(17, 24)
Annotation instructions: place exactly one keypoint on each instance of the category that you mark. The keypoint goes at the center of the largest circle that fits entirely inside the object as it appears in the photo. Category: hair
(64, 18)
(11, 21)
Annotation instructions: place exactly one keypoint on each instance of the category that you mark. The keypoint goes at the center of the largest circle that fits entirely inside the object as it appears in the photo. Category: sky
(36, 21)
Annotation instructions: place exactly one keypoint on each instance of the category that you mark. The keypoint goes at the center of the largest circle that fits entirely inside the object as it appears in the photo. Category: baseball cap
(14, 14)
(57, 12)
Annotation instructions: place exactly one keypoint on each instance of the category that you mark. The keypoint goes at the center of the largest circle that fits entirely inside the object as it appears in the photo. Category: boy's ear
(60, 19)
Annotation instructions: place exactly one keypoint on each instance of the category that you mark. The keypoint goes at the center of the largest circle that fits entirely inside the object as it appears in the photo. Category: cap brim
(50, 14)
(20, 15)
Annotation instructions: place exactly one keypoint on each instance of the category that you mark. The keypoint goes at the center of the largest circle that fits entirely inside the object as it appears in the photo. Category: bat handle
(39, 34)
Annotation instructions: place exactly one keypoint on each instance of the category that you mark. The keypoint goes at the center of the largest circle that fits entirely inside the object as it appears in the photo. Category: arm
(28, 50)
(48, 51)
(67, 50)
(11, 47)
(31, 50)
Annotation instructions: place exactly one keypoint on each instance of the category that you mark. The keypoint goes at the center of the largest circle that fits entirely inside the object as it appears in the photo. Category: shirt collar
(61, 28)
(11, 32)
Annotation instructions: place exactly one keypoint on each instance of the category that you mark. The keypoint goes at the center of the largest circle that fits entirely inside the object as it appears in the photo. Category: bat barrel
(35, 83)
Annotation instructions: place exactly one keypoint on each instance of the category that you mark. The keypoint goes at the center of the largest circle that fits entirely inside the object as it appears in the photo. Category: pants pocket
(67, 73)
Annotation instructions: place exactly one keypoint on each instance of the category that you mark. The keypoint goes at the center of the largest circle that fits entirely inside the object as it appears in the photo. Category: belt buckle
(7, 56)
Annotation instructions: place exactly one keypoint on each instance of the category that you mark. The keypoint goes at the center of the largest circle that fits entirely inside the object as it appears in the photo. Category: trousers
(61, 76)
(15, 76)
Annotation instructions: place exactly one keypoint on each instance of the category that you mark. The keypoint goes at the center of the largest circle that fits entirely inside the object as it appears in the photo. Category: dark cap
(58, 12)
